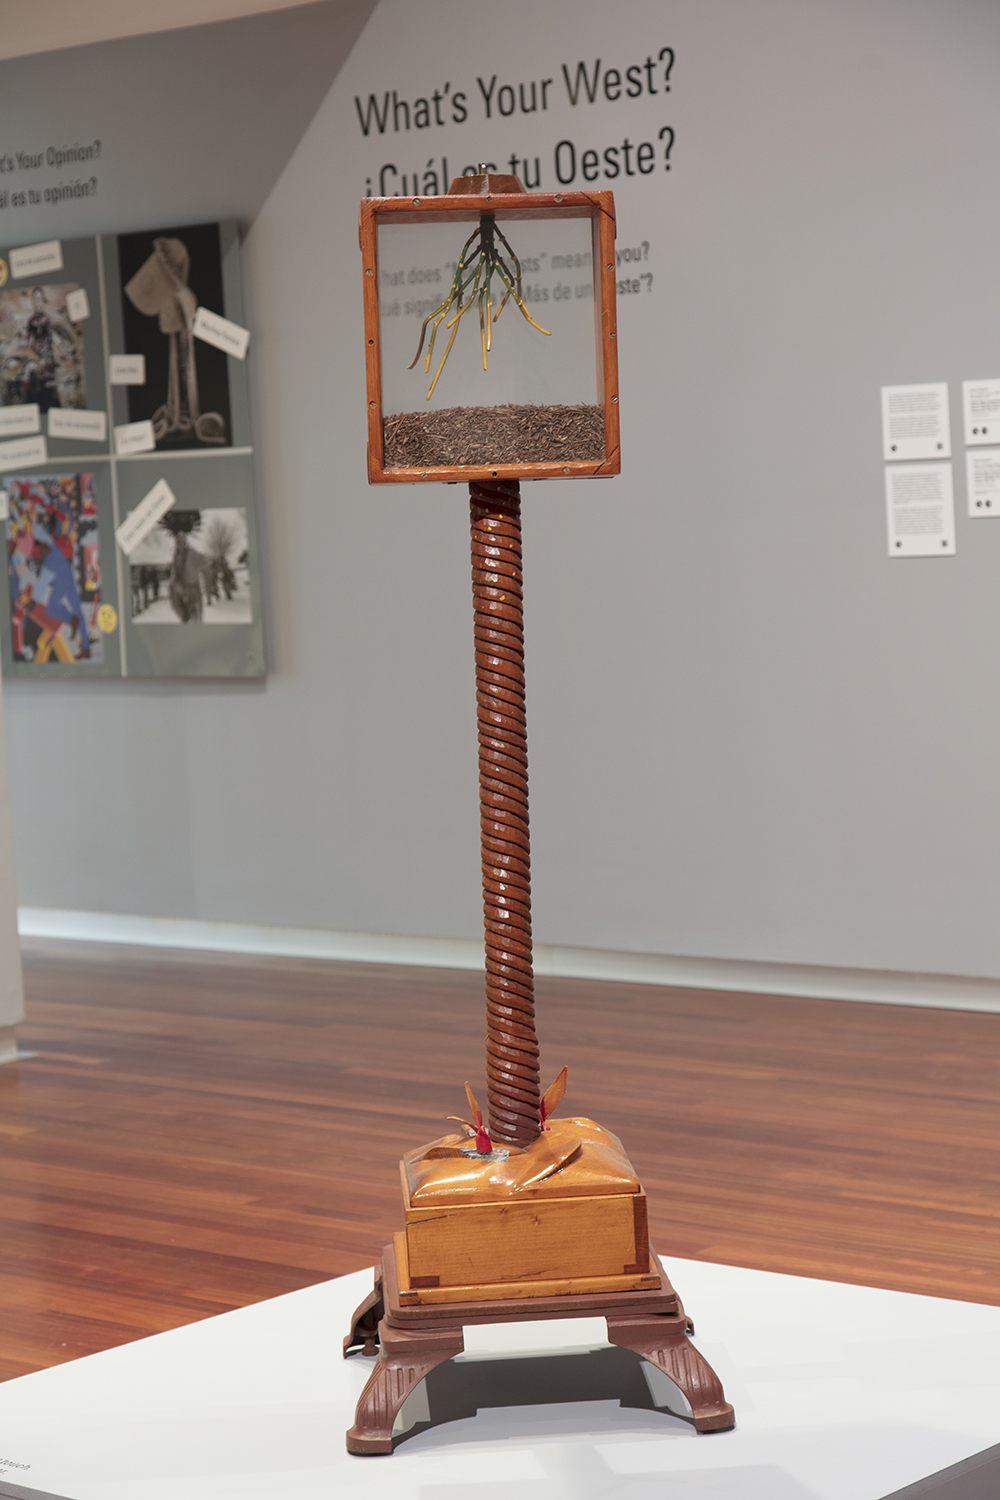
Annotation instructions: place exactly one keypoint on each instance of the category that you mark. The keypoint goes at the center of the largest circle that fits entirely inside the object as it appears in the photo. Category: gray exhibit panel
(117, 394)
(106, 649)
(72, 504)
(234, 310)
(210, 646)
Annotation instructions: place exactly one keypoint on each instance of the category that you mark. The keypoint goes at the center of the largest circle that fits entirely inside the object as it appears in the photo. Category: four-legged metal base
(411, 1341)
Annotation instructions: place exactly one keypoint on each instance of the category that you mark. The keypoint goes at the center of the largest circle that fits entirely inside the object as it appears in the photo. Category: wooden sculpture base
(411, 1341)
(564, 1214)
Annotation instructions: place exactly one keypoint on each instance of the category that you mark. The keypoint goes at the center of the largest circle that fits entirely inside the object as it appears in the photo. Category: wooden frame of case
(463, 208)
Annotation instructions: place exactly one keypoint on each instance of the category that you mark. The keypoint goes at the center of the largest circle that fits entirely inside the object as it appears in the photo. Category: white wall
(45, 25)
(751, 734)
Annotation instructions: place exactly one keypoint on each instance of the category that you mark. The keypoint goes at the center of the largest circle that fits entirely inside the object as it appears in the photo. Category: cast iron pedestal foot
(404, 1359)
(412, 1340)
(364, 1332)
(662, 1339)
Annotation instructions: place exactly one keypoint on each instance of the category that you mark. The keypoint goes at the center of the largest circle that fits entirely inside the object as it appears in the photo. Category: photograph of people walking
(193, 566)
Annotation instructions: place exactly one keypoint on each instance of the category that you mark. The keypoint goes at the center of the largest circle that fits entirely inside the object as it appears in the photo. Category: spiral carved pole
(511, 1043)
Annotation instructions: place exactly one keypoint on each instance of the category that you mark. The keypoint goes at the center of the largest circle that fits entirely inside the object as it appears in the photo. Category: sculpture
(525, 1216)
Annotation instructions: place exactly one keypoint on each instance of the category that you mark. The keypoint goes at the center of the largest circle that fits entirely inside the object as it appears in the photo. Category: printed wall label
(134, 437)
(23, 451)
(78, 305)
(982, 476)
(915, 422)
(920, 510)
(981, 411)
(221, 333)
(139, 523)
(127, 369)
(20, 419)
(36, 260)
(90, 426)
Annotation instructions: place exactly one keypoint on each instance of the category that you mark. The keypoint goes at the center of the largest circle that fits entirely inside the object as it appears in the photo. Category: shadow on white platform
(841, 1393)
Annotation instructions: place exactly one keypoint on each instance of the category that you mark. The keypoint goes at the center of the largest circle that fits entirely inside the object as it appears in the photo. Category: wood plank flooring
(199, 1131)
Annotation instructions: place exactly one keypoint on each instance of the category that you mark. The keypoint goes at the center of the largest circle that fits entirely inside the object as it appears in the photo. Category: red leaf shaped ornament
(551, 1097)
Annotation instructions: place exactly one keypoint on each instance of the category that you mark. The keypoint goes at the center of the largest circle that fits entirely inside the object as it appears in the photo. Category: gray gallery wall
(752, 734)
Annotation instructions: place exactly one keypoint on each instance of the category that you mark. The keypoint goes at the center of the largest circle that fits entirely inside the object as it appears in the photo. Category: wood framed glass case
(490, 334)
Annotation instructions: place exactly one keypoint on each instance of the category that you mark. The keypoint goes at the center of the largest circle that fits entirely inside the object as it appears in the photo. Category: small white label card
(981, 411)
(127, 369)
(68, 422)
(4, 505)
(20, 419)
(77, 305)
(134, 437)
(982, 477)
(920, 509)
(33, 450)
(35, 260)
(915, 422)
(229, 337)
(139, 522)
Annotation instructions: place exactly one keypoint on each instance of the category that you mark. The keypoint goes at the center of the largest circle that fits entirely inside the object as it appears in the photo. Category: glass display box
(490, 334)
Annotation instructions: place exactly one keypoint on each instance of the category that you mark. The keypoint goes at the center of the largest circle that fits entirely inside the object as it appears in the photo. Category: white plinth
(841, 1393)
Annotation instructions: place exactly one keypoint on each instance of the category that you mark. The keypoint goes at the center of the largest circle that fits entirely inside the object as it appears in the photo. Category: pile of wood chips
(493, 435)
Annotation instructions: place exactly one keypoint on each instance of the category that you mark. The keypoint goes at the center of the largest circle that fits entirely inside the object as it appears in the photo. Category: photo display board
(126, 465)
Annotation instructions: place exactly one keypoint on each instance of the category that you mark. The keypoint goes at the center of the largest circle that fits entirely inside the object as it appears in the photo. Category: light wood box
(542, 1239)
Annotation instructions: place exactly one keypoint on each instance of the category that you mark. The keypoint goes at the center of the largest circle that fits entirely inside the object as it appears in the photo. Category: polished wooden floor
(198, 1131)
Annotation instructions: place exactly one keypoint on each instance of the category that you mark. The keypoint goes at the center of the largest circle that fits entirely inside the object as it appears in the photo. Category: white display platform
(841, 1393)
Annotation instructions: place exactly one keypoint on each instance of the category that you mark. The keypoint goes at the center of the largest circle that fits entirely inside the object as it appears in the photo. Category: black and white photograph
(166, 276)
(193, 566)
(41, 350)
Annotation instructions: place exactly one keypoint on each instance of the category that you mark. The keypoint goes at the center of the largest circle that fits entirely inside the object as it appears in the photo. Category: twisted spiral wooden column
(511, 1043)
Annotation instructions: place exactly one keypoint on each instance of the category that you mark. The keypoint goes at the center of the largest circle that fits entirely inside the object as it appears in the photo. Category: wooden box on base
(567, 1214)
(426, 1291)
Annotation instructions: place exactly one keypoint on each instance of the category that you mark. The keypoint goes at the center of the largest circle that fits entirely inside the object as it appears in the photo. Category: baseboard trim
(877, 986)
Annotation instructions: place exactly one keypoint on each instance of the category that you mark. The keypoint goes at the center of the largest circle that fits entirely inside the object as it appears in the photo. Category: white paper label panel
(229, 337)
(982, 477)
(77, 305)
(127, 369)
(134, 437)
(915, 422)
(32, 450)
(35, 260)
(139, 522)
(90, 426)
(20, 419)
(981, 411)
(920, 510)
